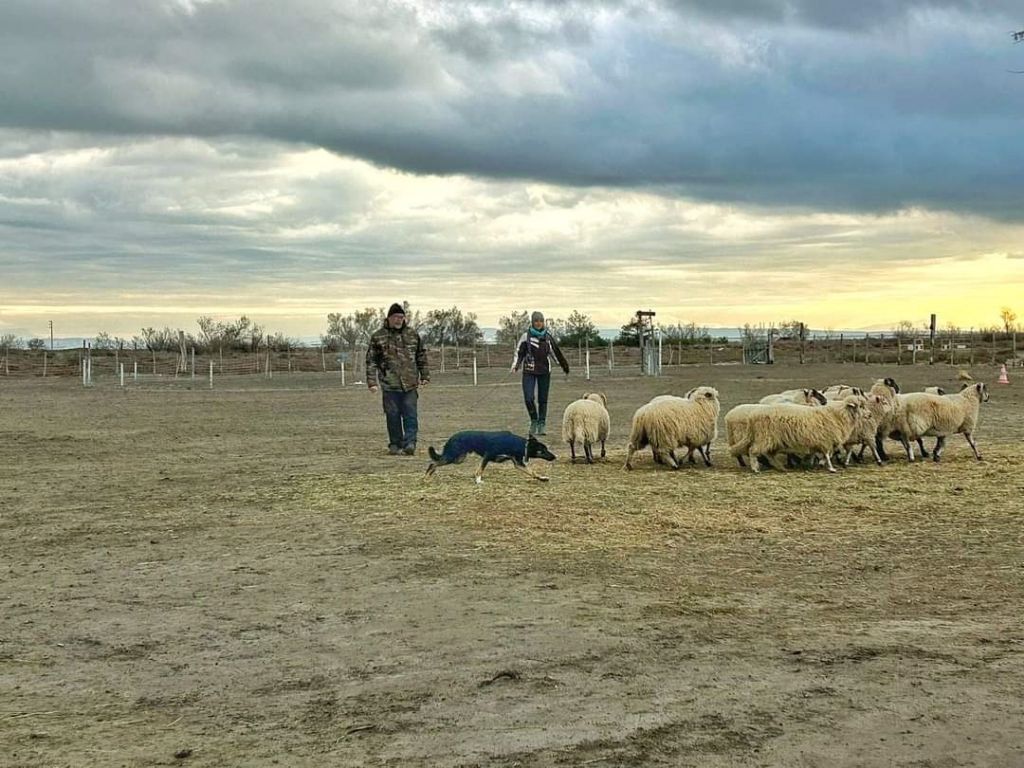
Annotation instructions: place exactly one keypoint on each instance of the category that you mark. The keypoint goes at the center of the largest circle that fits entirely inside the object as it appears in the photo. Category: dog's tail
(434, 455)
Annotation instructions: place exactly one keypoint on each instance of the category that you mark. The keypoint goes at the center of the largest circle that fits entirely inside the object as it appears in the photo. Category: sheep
(935, 390)
(669, 422)
(839, 391)
(922, 414)
(587, 421)
(890, 390)
(799, 430)
(737, 426)
(880, 409)
(796, 396)
(735, 419)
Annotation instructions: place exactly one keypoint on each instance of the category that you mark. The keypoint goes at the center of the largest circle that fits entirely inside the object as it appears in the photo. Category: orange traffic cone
(1003, 379)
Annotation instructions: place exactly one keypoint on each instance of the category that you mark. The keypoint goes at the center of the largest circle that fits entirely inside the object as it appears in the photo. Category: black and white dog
(491, 446)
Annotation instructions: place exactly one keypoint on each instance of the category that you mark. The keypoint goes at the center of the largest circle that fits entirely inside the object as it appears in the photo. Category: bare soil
(243, 577)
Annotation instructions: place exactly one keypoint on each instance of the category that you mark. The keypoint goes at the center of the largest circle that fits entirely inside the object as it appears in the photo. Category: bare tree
(1009, 318)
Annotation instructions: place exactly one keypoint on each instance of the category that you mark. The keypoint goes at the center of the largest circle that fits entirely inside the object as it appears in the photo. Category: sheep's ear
(604, 398)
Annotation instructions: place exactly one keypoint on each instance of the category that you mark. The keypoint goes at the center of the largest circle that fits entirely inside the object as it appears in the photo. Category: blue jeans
(541, 383)
(400, 413)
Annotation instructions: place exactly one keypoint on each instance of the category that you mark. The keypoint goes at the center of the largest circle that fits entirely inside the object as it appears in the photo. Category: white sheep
(669, 422)
(865, 433)
(736, 423)
(801, 431)
(923, 414)
(586, 420)
(839, 391)
(890, 390)
(795, 396)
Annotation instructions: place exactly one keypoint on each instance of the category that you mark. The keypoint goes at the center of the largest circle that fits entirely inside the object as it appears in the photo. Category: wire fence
(133, 367)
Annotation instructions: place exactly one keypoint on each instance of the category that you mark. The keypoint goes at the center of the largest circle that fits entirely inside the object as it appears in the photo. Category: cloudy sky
(723, 161)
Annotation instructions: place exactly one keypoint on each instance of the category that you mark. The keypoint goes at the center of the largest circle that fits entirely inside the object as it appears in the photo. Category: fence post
(842, 354)
(135, 373)
(343, 373)
(193, 363)
(323, 358)
(588, 364)
(121, 371)
(44, 363)
(611, 357)
(474, 368)
(211, 374)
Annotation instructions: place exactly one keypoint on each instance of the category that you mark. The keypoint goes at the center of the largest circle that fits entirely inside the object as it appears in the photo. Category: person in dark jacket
(396, 362)
(534, 353)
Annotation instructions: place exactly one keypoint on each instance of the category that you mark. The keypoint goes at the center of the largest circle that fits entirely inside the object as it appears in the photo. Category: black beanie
(396, 309)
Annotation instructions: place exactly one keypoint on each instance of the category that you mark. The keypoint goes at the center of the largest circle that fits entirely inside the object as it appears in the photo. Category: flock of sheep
(799, 425)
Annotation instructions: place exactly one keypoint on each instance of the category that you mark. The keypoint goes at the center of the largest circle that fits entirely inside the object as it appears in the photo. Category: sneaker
(533, 426)
(394, 450)
(541, 427)
(409, 450)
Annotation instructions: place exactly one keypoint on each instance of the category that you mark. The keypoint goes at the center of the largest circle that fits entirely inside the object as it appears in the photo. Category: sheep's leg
(828, 463)
(777, 463)
(705, 452)
(629, 456)
(920, 445)
(874, 453)
(880, 448)
(588, 452)
(689, 456)
(603, 453)
(752, 460)
(670, 459)
(572, 451)
(908, 447)
(940, 443)
(739, 458)
(974, 446)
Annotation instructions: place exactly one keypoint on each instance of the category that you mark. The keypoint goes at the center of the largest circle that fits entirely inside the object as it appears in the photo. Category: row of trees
(443, 327)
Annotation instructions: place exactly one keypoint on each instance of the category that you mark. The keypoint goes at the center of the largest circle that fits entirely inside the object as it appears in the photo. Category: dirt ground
(242, 577)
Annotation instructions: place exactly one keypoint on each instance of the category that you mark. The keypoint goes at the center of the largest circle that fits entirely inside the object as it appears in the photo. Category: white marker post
(121, 370)
(588, 364)
(193, 363)
(135, 373)
(211, 374)
(474, 369)
(343, 373)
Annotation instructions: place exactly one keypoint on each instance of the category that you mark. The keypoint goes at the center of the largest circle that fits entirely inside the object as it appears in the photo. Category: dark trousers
(541, 383)
(400, 413)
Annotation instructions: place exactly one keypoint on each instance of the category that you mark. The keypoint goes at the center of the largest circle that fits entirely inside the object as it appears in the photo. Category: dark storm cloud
(867, 106)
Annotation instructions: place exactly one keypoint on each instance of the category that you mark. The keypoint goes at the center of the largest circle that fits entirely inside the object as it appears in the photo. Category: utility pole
(51, 335)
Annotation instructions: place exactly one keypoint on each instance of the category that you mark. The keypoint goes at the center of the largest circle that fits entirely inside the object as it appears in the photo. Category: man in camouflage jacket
(396, 363)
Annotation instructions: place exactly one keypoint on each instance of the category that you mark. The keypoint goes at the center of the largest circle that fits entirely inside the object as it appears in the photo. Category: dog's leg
(529, 470)
(480, 470)
(430, 469)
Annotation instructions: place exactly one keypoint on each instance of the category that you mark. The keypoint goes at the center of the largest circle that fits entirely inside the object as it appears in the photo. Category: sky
(850, 165)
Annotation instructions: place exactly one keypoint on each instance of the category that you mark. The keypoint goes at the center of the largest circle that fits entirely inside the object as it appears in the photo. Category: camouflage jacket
(396, 360)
